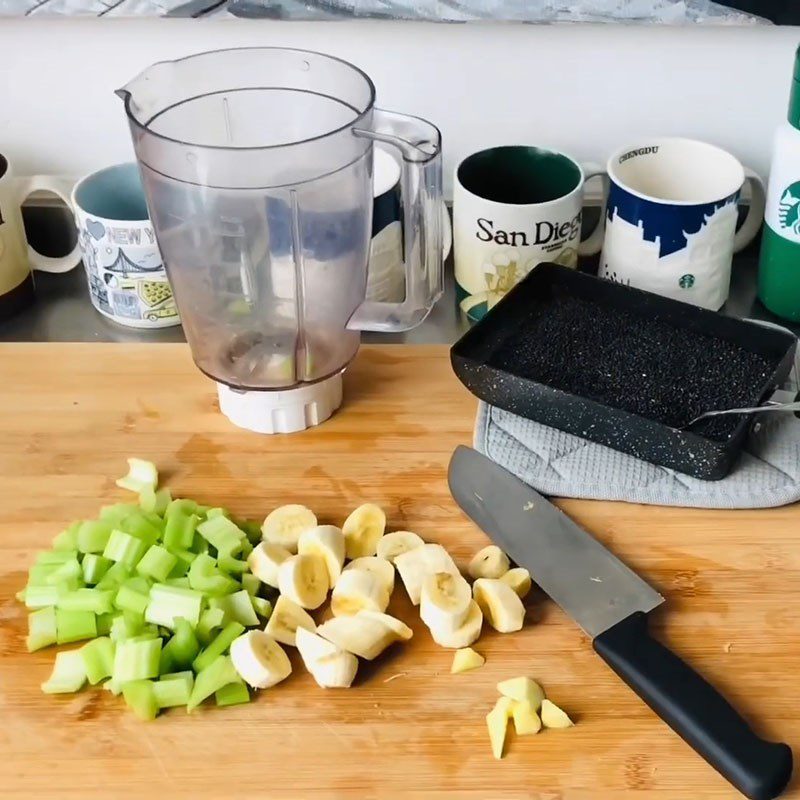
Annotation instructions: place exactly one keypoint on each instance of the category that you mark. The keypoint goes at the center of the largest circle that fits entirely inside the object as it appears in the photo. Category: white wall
(584, 89)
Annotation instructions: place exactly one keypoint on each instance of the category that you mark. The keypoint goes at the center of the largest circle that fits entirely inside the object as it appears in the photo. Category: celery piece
(68, 674)
(115, 576)
(41, 596)
(63, 572)
(251, 529)
(113, 687)
(39, 573)
(174, 689)
(232, 694)
(125, 548)
(141, 473)
(154, 502)
(138, 525)
(71, 584)
(129, 624)
(199, 545)
(42, 629)
(117, 512)
(136, 659)
(179, 570)
(181, 506)
(182, 582)
(68, 538)
(219, 646)
(93, 536)
(217, 512)
(205, 577)
(250, 584)
(104, 623)
(217, 674)
(98, 659)
(94, 567)
(179, 530)
(156, 563)
(94, 600)
(246, 548)
(141, 699)
(168, 602)
(237, 607)
(183, 647)
(55, 556)
(128, 599)
(219, 531)
(72, 626)
(230, 564)
(185, 556)
(210, 620)
(163, 499)
(262, 606)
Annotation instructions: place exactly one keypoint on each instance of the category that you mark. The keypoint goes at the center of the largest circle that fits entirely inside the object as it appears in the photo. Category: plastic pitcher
(257, 167)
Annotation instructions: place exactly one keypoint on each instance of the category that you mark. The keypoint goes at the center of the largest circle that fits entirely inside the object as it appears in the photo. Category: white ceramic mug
(127, 280)
(514, 207)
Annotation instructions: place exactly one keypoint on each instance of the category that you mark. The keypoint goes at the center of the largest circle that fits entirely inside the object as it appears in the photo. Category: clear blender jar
(257, 167)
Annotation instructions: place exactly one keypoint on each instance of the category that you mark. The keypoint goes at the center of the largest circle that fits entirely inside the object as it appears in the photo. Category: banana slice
(331, 667)
(415, 565)
(363, 529)
(286, 618)
(259, 660)
(264, 561)
(365, 634)
(381, 568)
(444, 601)
(326, 541)
(466, 634)
(285, 524)
(491, 562)
(304, 579)
(358, 590)
(499, 603)
(394, 544)
(519, 579)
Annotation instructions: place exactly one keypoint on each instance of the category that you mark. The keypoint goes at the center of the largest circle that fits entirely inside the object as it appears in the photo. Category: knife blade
(610, 602)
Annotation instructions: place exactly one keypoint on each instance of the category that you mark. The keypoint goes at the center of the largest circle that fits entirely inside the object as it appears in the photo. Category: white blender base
(282, 412)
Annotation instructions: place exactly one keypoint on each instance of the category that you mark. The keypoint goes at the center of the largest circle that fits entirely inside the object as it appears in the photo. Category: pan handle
(695, 710)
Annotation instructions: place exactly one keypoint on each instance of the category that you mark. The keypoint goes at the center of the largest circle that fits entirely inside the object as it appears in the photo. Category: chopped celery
(262, 606)
(113, 687)
(181, 506)
(140, 526)
(42, 629)
(68, 673)
(71, 584)
(252, 530)
(63, 572)
(104, 623)
(128, 625)
(136, 659)
(93, 536)
(185, 556)
(117, 512)
(68, 538)
(94, 567)
(141, 473)
(124, 548)
(94, 600)
(72, 626)
(220, 532)
(98, 659)
(41, 596)
(179, 530)
(179, 570)
(174, 689)
(141, 699)
(169, 602)
(217, 512)
(237, 606)
(55, 556)
(156, 563)
(232, 694)
(39, 573)
(182, 649)
(205, 577)
(210, 620)
(154, 502)
(217, 674)
(218, 647)
(182, 582)
(129, 599)
(115, 576)
(250, 584)
(230, 564)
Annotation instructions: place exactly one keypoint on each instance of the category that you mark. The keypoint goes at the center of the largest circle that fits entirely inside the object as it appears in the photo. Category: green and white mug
(514, 207)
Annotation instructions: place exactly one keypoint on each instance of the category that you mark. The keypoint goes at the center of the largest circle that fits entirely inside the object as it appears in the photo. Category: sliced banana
(466, 634)
(286, 618)
(304, 579)
(394, 544)
(491, 562)
(357, 590)
(285, 524)
(444, 601)
(330, 665)
(499, 603)
(264, 561)
(363, 529)
(259, 659)
(366, 634)
(326, 541)
(415, 565)
(519, 579)
(381, 568)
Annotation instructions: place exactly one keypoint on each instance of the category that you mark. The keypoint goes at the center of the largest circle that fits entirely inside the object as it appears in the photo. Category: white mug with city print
(127, 280)
(514, 207)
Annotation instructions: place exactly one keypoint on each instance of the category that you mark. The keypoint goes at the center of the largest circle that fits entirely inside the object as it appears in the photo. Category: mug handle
(755, 215)
(594, 241)
(61, 188)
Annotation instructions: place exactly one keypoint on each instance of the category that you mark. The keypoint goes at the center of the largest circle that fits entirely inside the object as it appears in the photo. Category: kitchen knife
(611, 603)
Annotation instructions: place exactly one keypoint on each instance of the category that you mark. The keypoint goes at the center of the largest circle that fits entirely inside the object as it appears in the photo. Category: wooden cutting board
(69, 416)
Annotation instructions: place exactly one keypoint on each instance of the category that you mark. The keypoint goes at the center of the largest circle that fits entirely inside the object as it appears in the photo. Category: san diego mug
(514, 207)
(671, 219)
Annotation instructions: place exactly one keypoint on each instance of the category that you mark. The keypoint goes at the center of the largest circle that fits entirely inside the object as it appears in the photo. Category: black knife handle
(695, 710)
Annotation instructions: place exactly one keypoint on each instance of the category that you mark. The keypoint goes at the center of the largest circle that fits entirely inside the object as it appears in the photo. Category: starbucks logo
(686, 281)
(789, 208)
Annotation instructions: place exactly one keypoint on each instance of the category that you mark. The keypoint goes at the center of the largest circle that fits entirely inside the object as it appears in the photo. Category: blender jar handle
(420, 144)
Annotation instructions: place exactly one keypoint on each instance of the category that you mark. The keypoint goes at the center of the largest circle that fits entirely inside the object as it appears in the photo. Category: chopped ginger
(526, 720)
(522, 689)
(466, 659)
(553, 716)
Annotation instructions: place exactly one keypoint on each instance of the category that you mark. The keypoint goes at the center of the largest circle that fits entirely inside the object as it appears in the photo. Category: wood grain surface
(71, 414)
